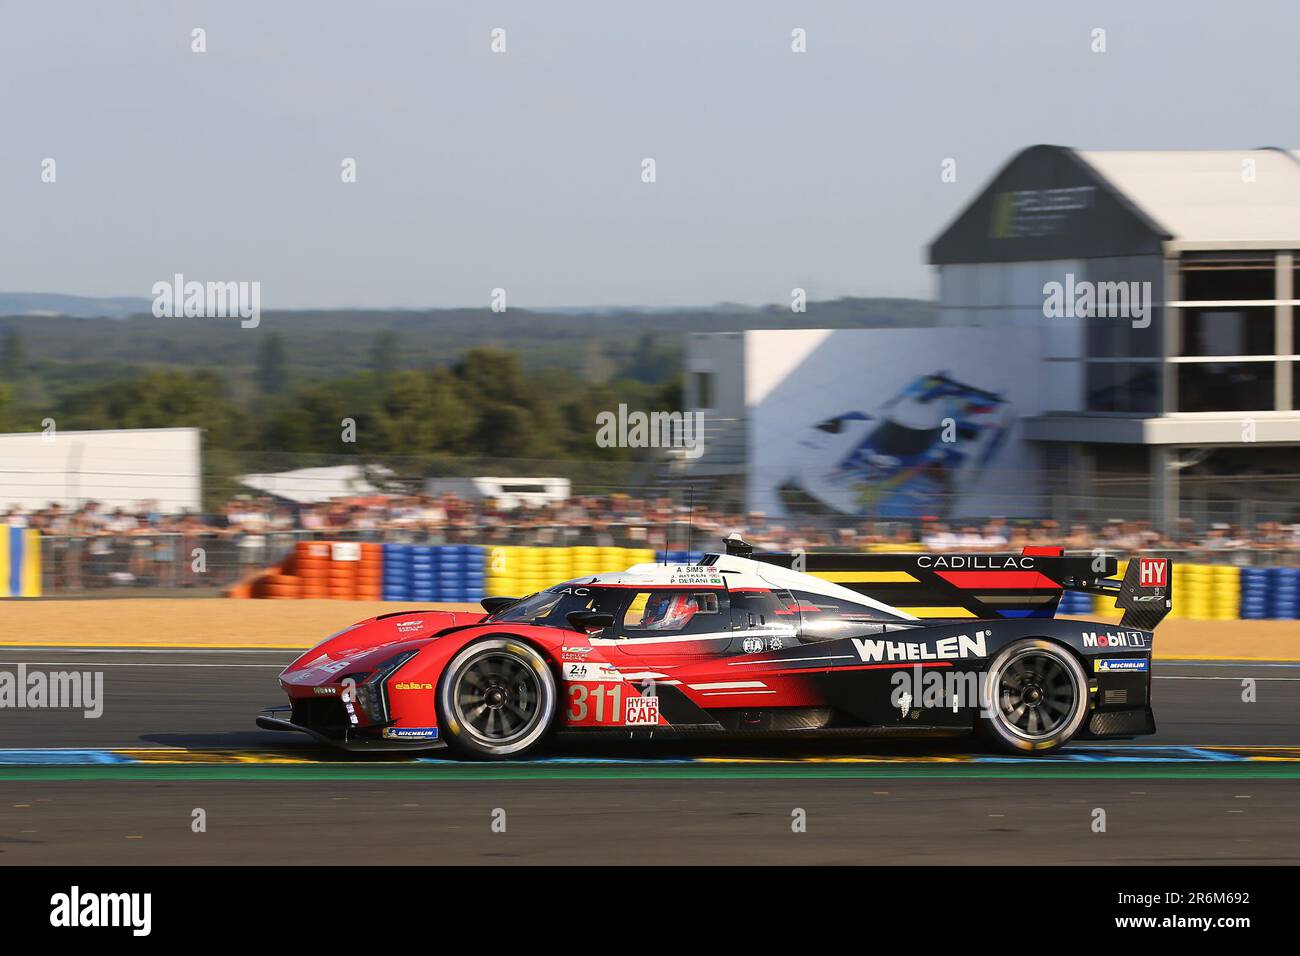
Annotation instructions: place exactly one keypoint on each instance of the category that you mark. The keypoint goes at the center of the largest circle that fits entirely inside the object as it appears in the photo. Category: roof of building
(1210, 196)
(1056, 202)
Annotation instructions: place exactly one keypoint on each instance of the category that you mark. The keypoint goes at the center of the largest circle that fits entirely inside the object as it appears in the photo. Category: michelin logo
(1120, 664)
(418, 733)
(945, 649)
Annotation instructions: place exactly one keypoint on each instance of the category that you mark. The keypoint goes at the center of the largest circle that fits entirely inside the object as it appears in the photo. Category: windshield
(551, 608)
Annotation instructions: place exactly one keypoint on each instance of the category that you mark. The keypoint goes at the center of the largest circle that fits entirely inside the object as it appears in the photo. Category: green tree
(13, 356)
(384, 352)
(157, 400)
(6, 421)
(311, 419)
(272, 365)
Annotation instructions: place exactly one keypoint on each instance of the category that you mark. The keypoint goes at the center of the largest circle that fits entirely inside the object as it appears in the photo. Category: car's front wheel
(1035, 697)
(496, 699)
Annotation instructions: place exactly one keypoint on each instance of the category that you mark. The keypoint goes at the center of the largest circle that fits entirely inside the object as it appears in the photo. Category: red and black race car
(744, 644)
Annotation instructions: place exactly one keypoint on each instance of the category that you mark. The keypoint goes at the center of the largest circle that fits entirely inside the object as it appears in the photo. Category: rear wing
(1145, 595)
(1025, 585)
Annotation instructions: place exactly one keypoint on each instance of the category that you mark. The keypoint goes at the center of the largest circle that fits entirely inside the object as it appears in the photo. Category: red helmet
(668, 611)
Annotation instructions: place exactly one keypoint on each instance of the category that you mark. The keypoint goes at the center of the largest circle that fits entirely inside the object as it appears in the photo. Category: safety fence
(20, 562)
(467, 573)
(443, 567)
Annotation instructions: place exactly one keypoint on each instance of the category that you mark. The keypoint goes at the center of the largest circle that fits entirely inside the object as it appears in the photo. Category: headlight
(371, 697)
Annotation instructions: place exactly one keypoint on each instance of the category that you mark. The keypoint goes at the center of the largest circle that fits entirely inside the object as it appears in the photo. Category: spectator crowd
(94, 546)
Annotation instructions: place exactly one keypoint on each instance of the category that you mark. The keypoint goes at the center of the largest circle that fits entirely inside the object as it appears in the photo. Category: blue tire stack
(460, 573)
(1256, 591)
(475, 572)
(1075, 602)
(681, 557)
(1284, 594)
(424, 582)
(397, 572)
(452, 572)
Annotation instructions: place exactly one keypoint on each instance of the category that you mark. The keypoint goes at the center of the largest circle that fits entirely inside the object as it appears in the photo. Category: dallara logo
(412, 685)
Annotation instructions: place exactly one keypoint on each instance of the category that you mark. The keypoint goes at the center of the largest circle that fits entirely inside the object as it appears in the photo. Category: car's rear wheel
(1035, 697)
(496, 699)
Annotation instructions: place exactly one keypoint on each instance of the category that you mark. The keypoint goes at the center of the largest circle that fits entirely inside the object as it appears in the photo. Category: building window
(1235, 330)
(1118, 337)
(1226, 386)
(1127, 387)
(704, 390)
(1227, 276)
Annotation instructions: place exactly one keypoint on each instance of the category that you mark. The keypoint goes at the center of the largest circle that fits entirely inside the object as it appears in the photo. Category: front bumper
(357, 739)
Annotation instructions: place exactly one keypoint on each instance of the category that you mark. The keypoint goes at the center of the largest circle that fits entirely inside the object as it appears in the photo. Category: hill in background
(62, 351)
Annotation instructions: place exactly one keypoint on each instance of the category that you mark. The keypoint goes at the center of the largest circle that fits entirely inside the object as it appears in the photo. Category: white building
(1157, 292)
(119, 468)
(1204, 385)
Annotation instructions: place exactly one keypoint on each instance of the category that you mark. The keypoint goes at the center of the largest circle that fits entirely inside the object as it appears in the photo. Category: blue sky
(523, 170)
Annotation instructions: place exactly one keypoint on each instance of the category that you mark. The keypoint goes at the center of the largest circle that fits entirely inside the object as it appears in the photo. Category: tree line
(485, 403)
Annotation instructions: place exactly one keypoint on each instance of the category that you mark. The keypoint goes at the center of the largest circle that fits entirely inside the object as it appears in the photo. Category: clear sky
(522, 170)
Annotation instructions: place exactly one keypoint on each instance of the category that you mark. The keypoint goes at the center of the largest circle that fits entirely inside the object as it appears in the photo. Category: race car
(926, 445)
(745, 645)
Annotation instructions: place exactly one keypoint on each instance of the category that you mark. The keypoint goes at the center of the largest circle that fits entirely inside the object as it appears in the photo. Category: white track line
(1236, 679)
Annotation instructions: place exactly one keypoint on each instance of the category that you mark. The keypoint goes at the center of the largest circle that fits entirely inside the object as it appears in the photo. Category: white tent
(307, 486)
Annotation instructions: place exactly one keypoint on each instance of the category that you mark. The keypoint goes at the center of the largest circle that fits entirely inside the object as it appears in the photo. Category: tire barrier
(465, 573)
(1075, 602)
(518, 571)
(20, 562)
(337, 570)
(1272, 593)
(450, 573)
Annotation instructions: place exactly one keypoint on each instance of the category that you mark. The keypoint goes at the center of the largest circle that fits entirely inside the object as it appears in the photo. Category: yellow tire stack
(514, 571)
(1193, 591)
(1225, 592)
(502, 566)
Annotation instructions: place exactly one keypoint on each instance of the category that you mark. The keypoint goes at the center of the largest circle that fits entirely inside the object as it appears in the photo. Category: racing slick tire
(1034, 698)
(496, 699)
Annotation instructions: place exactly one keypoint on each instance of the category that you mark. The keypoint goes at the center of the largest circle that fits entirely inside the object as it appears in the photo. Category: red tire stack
(370, 572)
(311, 563)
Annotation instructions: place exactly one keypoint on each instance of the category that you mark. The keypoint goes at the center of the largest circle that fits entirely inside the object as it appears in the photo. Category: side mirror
(586, 621)
(494, 604)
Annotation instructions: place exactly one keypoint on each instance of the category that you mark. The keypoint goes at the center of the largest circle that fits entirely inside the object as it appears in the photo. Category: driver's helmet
(669, 611)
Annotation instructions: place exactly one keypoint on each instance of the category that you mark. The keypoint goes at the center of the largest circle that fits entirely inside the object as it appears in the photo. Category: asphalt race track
(1219, 783)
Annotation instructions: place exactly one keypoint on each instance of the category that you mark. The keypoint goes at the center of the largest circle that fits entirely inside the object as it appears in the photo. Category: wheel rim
(1037, 695)
(498, 698)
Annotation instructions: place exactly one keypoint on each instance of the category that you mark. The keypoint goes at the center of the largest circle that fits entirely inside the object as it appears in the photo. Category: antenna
(690, 522)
